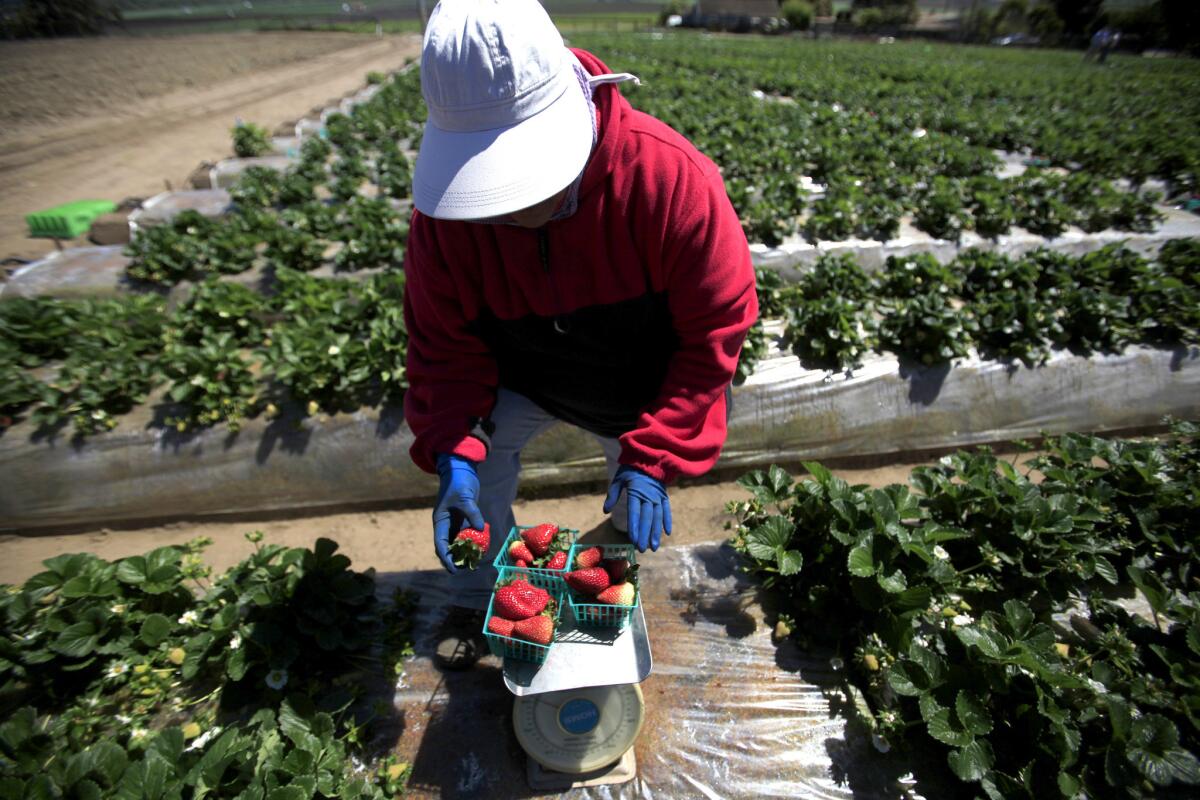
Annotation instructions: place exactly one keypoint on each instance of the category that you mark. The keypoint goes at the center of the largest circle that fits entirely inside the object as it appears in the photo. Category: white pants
(518, 420)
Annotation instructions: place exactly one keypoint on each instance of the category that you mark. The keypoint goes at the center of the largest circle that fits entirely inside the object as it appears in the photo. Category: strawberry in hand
(470, 546)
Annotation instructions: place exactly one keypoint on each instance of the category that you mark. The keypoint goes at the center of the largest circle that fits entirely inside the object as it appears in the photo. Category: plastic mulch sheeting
(728, 714)
(795, 254)
(783, 413)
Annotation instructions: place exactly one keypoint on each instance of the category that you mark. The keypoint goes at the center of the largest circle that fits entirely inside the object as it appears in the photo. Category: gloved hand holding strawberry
(457, 505)
(649, 507)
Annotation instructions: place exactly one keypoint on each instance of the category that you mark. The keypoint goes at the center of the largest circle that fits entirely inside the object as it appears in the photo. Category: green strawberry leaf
(860, 563)
(973, 761)
(973, 714)
(155, 628)
(942, 728)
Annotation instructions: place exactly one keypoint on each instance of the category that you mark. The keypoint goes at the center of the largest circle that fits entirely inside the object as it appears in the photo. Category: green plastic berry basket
(68, 220)
(601, 615)
(502, 560)
(509, 646)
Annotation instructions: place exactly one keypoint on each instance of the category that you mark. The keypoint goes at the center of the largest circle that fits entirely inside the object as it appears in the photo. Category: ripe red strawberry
(520, 562)
(518, 550)
(539, 537)
(558, 560)
(519, 600)
(585, 559)
(500, 625)
(618, 569)
(539, 629)
(470, 545)
(619, 594)
(587, 581)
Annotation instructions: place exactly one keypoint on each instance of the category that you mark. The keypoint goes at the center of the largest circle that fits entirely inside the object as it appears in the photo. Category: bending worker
(570, 259)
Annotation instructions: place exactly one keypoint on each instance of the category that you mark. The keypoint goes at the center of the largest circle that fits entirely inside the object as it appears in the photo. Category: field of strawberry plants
(981, 611)
(148, 678)
(911, 130)
(1008, 308)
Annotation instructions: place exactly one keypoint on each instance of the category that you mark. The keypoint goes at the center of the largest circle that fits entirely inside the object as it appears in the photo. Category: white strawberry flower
(116, 669)
(962, 620)
(940, 552)
(235, 642)
(189, 618)
(277, 678)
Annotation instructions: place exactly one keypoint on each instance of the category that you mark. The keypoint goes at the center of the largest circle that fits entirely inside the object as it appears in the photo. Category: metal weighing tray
(585, 656)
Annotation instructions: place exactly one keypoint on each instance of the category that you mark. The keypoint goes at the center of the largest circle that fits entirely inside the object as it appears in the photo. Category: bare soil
(119, 117)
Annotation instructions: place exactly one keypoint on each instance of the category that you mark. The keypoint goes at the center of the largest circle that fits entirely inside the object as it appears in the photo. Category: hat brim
(481, 174)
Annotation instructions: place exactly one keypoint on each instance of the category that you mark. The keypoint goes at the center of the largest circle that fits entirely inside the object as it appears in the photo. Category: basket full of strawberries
(541, 549)
(523, 614)
(602, 584)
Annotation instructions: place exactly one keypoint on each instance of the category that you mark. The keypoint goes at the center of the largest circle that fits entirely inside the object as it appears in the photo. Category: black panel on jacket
(597, 367)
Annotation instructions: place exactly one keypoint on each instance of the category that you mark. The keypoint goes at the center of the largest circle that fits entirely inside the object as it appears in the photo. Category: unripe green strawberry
(588, 581)
(619, 594)
(586, 559)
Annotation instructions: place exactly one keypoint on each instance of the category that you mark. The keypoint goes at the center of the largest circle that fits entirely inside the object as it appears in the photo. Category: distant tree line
(48, 18)
(1170, 24)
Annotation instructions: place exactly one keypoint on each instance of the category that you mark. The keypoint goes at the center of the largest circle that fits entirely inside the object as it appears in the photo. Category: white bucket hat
(509, 125)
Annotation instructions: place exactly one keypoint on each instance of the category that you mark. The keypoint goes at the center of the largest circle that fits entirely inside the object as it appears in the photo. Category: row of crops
(228, 352)
(910, 130)
(891, 133)
(148, 677)
(982, 614)
(1004, 307)
(225, 353)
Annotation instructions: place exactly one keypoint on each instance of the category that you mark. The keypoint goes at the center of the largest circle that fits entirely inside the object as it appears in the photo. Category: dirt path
(389, 540)
(136, 151)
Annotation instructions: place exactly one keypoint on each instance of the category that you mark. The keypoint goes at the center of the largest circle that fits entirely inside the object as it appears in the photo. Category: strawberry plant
(942, 209)
(211, 382)
(138, 678)
(374, 233)
(952, 594)
(250, 140)
(171, 252)
(1013, 320)
(109, 369)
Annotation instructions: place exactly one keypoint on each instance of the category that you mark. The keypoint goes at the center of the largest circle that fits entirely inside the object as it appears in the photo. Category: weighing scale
(578, 714)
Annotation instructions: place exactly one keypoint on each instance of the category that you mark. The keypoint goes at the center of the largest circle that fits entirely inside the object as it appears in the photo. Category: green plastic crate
(602, 615)
(68, 220)
(510, 647)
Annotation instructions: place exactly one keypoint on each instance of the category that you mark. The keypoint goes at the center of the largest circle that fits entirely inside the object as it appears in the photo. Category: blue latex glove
(649, 508)
(457, 505)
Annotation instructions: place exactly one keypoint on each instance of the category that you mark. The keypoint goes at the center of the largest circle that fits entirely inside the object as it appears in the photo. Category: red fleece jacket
(653, 219)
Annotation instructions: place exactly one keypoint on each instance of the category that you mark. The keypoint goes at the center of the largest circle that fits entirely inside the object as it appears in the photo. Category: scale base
(540, 778)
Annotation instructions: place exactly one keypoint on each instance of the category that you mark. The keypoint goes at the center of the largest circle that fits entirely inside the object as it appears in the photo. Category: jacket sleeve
(709, 277)
(452, 375)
